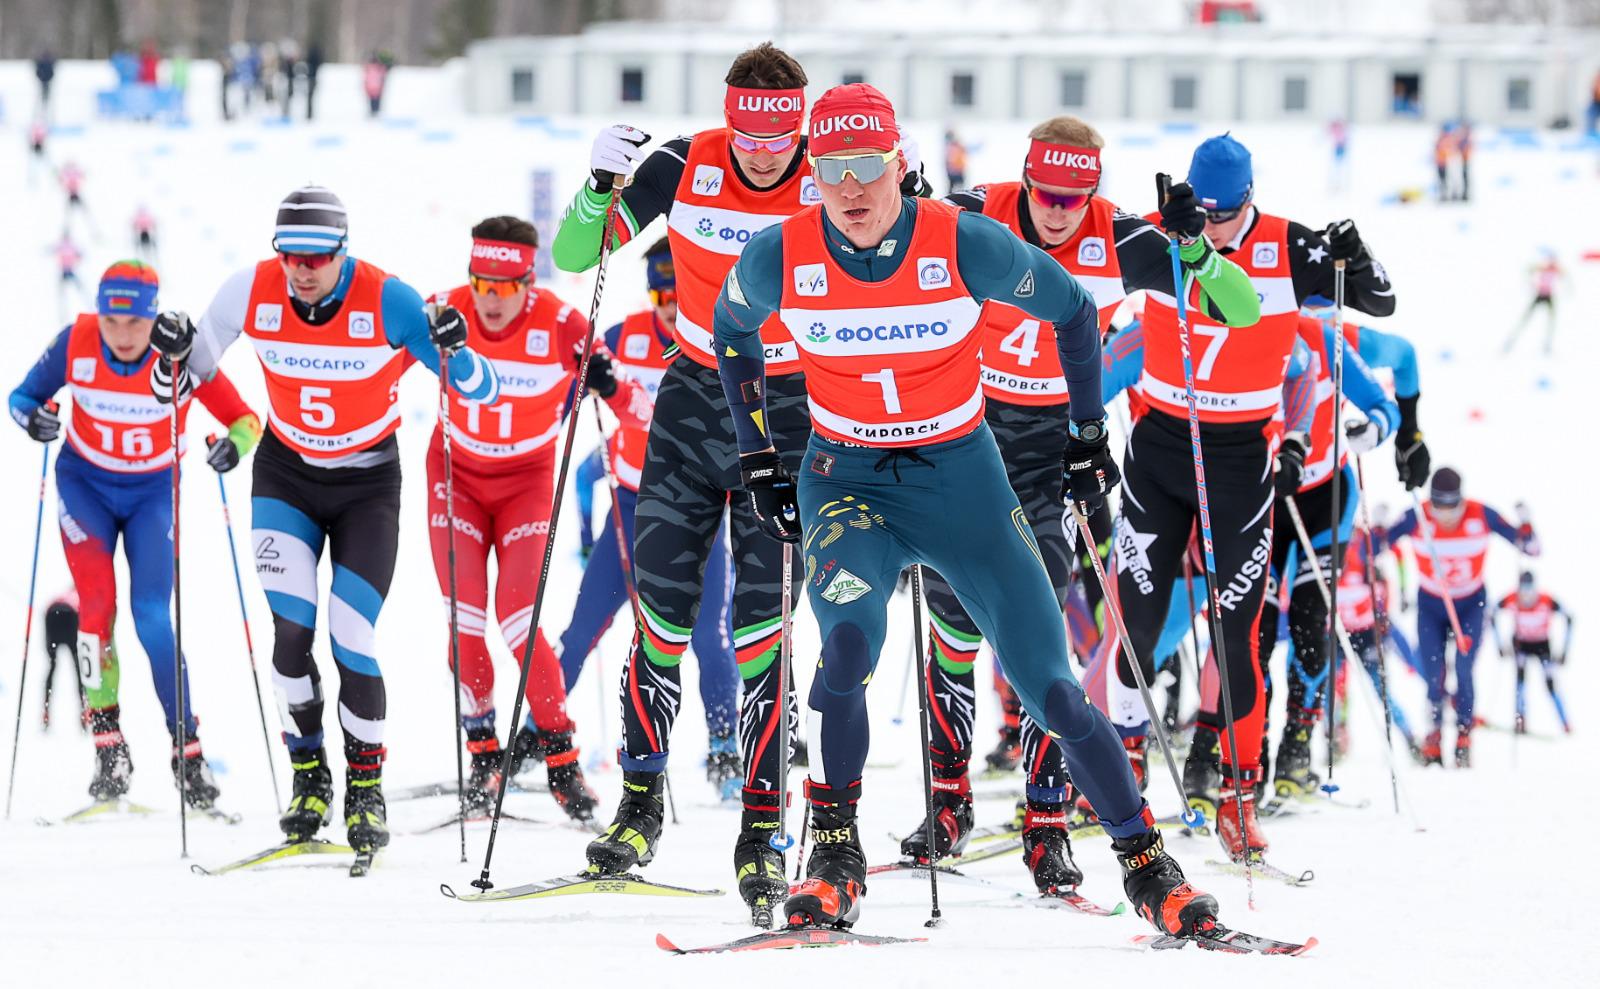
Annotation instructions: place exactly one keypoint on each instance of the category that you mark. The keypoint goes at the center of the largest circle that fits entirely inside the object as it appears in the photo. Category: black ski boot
(113, 764)
(1294, 775)
(526, 749)
(1157, 889)
(952, 823)
(483, 776)
(759, 866)
(1007, 753)
(311, 802)
(724, 768)
(366, 818)
(1202, 772)
(566, 776)
(1047, 850)
(632, 837)
(199, 786)
(836, 872)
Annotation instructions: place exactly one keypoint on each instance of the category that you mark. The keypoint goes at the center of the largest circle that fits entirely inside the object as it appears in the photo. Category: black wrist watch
(1087, 431)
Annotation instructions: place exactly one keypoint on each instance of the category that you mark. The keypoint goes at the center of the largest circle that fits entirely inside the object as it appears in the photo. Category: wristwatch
(1088, 431)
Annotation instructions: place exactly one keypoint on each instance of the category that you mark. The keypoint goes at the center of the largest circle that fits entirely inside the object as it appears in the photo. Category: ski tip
(1120, 909)
(665, 944)
(198, 869)
(445, 889)
(1310, 943)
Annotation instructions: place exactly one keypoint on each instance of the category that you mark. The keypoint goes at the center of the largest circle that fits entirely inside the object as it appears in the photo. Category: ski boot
(526, 749)
(365, 814)
(1138, 761)
(1238, 798)
(1047, 850)
(1295, 778)
(566, 776)
(113, 764)
(198, 785)
(1202, 773)
(1432, 749)
(631, 839)
(1007, 754)
(483, 778)
(311, 802)
(952, 823)
(759, 866)
(724, 769)
(1520, 727)
(1464, 748)
(836, 872)
(1155, 885)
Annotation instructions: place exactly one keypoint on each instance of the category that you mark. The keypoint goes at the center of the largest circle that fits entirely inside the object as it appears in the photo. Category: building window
(1519, 94)
(963, 89)
(1296, 94)
(1074, 89)
(522, 85)
(851, 78)
(1185, 92)
(633, 85)
(1407, 88)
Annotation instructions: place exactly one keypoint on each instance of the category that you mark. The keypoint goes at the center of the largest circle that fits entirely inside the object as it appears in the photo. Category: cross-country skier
(882, 295)
(1238, 379)
(1457, 529)
(334, 335)
(1533, 612)
(1054, 207)
(1547, 275)
(114, 479)
(717, 190)
(640, 345)
(504, 475)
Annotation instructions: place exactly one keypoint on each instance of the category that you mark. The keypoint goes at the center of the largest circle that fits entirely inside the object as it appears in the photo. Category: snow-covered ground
(1481, 893)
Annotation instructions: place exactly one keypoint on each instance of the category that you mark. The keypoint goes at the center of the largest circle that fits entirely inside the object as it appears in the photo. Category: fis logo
(932, 273)
(269, 317)
(1092, 252)
(811, 279)
(707, 180)
(83, 369)
(636, 347)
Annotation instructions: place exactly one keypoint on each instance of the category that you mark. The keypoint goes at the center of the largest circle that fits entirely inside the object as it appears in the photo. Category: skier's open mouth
(859, 213)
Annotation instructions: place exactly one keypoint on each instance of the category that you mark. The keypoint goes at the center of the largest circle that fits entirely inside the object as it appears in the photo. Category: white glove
(908, 147)
(1363, 435)
(615, 154)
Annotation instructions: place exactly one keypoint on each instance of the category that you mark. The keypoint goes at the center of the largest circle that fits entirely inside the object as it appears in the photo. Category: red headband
(500, 259)
(1062, 165)
(764, 112)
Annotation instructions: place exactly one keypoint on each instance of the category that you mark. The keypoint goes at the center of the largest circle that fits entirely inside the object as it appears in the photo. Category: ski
(221, 816)
(447, 788)
(100, 809)
(1227, 941)
(1262, 867)
(582, 883)
(917, 870)
(454, 819)
(1292, 800)
(1003, 839)
(1071, 899)
(808, 936)
(277, 853)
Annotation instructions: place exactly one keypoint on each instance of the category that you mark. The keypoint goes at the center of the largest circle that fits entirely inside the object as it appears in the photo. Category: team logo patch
(822, 463)
(1024, 289)
(810, 195)
(707, 180)
(83, 368)
(1264, 256)
(817, 333)
(811, 279)
(734, 289)
(361, 326)
(933, 273)
(844, 588)
(269, 316)
(538, 343)
(637, 347)
(1092, 252)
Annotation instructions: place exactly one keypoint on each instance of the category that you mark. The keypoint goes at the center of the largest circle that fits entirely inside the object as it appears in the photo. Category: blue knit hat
(128, 288)
(1220, 173)
(659, 273)
(311, 220)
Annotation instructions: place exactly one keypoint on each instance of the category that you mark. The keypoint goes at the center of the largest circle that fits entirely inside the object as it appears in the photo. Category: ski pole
(934, 918)
(27, 625)
(1380, 619)
(249, 643)
(1335, 514)
(624, 560)
(1194, 631)
(1426, 528)
(783, 840)
(1218, 645)
(455, 623)
(1193, 817)
(177, 615)
(606, 238)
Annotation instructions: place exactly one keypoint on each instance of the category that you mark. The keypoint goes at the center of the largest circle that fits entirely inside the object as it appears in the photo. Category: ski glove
(173, 335)
(447, 329)
(615, 154)
(773, 495)
(1344, 240)
(221, 454)
(1363, 435)
(1411, 459)
(1182, 215)
(1088, 473)
(1291, 466)
(44, 423)
(602, 375)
